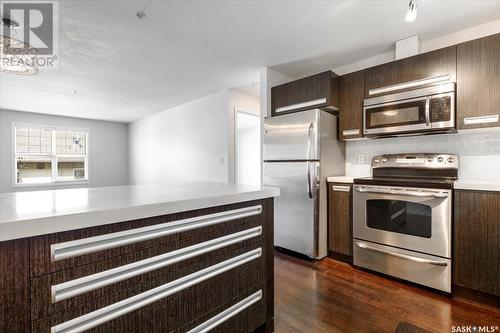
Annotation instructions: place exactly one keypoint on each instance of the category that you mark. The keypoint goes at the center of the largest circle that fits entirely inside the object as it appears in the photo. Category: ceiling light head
(411, 15)
(9, 23)
(16, 56)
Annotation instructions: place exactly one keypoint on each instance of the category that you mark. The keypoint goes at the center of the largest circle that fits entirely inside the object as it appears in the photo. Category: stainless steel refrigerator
(300, 151)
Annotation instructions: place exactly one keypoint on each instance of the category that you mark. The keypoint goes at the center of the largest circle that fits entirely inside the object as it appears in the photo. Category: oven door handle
(403, 256)
(410, 193)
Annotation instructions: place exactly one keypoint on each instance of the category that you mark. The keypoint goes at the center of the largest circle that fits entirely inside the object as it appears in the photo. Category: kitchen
(125, 205)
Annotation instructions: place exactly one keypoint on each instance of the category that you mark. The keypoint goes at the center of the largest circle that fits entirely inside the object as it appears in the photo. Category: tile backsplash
(478, 151)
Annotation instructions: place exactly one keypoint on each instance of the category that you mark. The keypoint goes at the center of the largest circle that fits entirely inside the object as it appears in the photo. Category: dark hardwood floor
(331, 296)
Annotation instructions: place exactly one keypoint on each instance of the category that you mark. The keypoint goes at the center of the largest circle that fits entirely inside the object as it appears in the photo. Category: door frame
(249, 113)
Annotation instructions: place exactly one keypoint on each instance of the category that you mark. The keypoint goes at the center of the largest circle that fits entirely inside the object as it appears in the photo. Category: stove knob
(376, 161)
(451, 160)
(430, 159)
(384, 160)
(440, 159)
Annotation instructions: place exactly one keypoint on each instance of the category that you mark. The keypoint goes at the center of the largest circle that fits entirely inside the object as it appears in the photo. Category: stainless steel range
(402, 217)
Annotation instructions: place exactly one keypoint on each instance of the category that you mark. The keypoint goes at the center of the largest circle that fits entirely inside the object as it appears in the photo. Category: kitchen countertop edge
(17, 228)
(477, 185)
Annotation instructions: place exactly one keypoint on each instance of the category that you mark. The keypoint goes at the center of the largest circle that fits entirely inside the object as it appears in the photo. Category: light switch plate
(361, 158)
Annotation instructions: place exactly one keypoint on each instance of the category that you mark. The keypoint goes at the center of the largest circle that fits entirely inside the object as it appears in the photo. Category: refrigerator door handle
(309, 135)
(309, 183)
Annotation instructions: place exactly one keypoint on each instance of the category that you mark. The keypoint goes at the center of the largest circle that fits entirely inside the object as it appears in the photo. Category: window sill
(56, 183)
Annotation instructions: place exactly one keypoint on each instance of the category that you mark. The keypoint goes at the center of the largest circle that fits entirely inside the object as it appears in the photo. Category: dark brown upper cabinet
(339, 219)
(319, 91)
(352, 93)
(476, 241)
(430, 64)
(421, 66)
(381, 76)
(478, 83)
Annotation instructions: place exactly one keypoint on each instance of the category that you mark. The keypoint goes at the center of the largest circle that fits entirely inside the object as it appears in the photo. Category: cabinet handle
(88, 283)
(481, 120)
(349, 132)
(84, 246)
(113, 311)
(337, 188)
(227, 314)
(402, 256)
(301, 105)
(409, 84)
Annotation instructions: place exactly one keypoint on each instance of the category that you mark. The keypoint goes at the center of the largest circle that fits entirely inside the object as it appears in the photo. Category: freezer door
(292, 137)
(296, 209)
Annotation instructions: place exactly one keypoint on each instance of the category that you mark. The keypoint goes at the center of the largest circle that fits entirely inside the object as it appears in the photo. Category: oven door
(400, 116)
(416, 219)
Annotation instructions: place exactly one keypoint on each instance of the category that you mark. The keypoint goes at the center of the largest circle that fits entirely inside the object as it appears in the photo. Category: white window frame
(53, 156)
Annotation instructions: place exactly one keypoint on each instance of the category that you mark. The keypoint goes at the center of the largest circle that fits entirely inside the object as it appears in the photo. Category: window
(50, 155)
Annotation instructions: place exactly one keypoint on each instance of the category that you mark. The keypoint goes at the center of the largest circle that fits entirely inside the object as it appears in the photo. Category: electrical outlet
(361, 158)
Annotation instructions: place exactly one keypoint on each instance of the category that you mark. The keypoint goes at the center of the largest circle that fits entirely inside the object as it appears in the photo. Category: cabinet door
(339, 218)
(381, 76)
(478, 83)
(476, 241)
(316, 91)
(430, 64)
(352, 92)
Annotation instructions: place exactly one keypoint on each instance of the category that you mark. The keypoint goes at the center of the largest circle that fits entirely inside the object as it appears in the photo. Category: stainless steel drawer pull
(337, 188)
(227, 314)
(403, 256)
(481, 120)
(84, 246)
(355, 131)
(88, 283)
(408, 193)
(301, 105)
(110, 312)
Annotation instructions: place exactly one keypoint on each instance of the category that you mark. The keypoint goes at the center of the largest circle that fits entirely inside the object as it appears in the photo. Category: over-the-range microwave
(426, 110)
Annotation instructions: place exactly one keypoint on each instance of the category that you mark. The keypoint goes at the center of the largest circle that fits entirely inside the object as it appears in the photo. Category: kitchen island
(180, 257)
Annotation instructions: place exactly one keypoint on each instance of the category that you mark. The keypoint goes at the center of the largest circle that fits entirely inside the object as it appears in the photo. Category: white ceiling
(115, 67)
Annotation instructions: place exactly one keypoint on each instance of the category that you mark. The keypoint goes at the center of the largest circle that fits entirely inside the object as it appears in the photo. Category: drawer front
(111, 280)
(170, 299)
(242, 314)
(57, 252)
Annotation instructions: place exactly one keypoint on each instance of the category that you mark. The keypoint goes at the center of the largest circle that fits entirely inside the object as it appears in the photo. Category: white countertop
(343, 179)
(477, 185)
(27, 214)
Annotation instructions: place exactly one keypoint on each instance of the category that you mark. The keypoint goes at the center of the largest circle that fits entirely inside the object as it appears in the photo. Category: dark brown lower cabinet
(227, 280)
(476, 254)
(339, 220)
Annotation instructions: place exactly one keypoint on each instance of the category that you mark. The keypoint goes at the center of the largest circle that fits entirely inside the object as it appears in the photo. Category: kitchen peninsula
(186, 257)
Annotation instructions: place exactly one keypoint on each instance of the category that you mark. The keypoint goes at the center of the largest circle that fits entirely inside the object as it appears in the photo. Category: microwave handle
(427, 111)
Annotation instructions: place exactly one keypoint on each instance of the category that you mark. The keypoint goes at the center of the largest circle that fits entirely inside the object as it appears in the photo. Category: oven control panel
(416, 160)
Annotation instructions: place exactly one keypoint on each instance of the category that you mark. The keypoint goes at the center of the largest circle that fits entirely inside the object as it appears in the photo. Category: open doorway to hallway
(247, 148)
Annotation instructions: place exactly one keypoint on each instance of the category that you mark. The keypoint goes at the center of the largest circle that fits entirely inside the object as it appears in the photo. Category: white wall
(186, 143)
(191, 142)
(108, 150)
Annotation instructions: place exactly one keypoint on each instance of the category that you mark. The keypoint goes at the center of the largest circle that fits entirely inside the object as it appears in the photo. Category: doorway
(247, 148)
